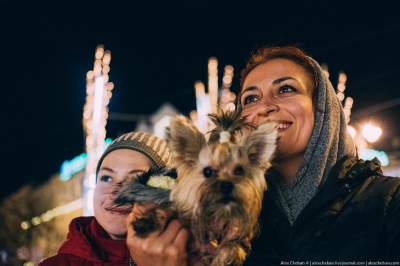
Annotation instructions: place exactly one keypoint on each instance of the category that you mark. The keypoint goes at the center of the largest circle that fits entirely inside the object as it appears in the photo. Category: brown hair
(292, 53)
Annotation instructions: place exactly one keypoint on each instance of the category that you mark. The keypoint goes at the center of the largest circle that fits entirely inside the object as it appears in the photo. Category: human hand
(165, 246)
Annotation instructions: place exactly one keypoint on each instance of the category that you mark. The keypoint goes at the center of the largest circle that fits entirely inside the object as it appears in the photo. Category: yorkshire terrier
(217, 189)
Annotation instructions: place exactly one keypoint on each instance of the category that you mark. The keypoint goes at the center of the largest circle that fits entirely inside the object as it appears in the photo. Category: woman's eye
(250, 99)
(286, 89)
(106, 178)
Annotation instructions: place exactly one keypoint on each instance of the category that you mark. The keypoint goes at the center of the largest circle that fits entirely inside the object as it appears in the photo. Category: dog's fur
(219, 186)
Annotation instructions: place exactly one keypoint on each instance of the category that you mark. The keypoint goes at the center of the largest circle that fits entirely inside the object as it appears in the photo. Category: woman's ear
(185, 141)
(260, 144)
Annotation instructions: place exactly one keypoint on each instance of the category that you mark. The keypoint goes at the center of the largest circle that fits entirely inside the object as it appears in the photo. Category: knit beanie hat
(155, 148)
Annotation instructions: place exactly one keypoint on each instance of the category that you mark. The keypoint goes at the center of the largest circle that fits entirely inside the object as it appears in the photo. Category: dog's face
(220, 184)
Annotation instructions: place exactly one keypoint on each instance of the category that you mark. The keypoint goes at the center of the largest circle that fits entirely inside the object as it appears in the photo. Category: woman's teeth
(283, 126)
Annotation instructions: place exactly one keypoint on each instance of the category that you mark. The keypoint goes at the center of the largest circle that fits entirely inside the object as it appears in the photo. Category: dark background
(158, 50)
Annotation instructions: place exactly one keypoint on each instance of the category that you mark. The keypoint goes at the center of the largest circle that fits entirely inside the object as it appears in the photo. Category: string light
(213, 83)
(95, 114)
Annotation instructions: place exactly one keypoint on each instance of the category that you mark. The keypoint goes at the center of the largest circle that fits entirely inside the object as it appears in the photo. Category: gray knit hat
(150, 145)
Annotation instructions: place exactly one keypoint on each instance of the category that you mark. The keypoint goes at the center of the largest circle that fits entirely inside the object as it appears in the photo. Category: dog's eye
(208, 171)
(238, 170)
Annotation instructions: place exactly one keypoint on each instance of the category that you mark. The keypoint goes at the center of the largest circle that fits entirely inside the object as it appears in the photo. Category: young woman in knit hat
(101, 240)
(323, 203)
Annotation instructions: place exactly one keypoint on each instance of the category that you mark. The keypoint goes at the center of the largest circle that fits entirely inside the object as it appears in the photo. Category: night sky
(159, 49)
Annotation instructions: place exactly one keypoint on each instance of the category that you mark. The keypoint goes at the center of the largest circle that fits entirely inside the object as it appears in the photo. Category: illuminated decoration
(325, 70)
(352, 131)
(51, 214)
(207, 103)
(371, 132)
(369, 154)
(227, 100)
(95, 114)
(213, 83)
(228, 77)
(69, 168)
(347, 103)
(203, 106)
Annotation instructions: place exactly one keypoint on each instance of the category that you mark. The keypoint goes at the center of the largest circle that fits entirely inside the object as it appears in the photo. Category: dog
(217, 189)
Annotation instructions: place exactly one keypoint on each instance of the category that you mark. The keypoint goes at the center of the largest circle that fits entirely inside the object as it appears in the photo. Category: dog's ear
(185, 141)
(260, 144)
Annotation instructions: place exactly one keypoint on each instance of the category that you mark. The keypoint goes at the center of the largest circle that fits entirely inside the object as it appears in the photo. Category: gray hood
(329, 143)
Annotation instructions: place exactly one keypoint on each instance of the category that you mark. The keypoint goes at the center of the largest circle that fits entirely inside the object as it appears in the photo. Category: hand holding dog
(165, 246)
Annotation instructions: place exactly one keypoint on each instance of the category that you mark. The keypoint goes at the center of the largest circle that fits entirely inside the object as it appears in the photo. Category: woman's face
(117, 167)
(281, 90)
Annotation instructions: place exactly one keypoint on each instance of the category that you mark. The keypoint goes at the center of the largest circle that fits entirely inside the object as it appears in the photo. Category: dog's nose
(226, 187)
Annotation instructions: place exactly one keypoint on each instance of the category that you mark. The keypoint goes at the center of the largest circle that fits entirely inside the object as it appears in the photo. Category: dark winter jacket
(354, 217)
(88, 244)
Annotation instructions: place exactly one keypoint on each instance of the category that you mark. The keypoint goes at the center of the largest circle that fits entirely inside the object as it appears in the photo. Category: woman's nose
(262, 111)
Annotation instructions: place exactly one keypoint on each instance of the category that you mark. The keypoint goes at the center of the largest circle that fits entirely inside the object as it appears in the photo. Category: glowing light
(51, 214)
(99, 52)
(107, 58)
(349, 102)
(36, 220)
(342, 77)
(369, 154)
(90, 74)
(325, 70)
(371, 132)
(199, 89)
(352, 131)
(72, 167)
(341, 87)
(227, 78)
(25, 225)
(340, 95)
(95, 119)
(213, 83)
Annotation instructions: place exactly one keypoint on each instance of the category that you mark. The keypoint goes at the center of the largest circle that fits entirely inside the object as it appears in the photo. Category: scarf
(328, 143)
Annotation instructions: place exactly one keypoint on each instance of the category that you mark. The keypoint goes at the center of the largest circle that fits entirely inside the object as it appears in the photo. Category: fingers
(181, 240)
(171, 232)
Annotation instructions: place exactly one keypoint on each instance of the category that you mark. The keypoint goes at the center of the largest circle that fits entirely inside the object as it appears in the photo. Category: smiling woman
(323, 203)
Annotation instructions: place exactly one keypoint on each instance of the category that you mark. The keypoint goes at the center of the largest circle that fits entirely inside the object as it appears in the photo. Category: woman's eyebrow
(280, 80)
(251, 88)
(107, 169)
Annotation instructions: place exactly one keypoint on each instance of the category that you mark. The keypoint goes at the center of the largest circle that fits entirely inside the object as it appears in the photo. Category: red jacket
(88, 244)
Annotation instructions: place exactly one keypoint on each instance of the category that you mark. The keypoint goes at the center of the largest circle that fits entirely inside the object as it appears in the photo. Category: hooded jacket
(88, 244)
(354, 218)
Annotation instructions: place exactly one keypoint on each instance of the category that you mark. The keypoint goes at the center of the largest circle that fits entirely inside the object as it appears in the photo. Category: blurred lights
(213, 83)
(371, 132)
(51, 214)
(71, 167)
(369, 154)
(25, 225)
(352, 131)
(95, 114)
